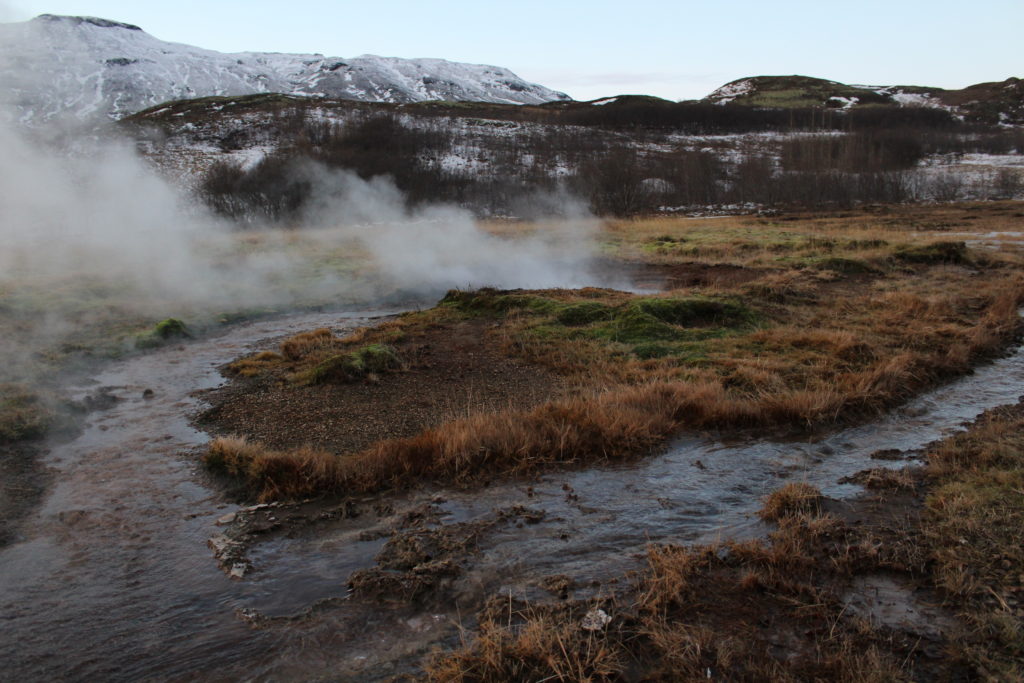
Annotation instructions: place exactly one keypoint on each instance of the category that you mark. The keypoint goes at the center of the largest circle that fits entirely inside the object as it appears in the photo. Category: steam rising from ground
(105, 215)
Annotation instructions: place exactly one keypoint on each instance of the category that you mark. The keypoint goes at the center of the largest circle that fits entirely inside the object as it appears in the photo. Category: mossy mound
(583, 313)
(352, 367)
(935, 253)
(693, 311)
(164, 331)
(489, 300)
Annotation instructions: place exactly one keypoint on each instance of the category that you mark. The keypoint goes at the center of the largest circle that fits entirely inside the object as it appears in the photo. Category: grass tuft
(793, 499)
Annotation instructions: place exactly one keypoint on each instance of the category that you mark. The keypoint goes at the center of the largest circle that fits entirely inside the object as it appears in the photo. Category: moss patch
(352, 367)
(164, 331)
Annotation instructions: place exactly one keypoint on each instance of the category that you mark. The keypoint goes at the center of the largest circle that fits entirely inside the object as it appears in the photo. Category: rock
(219, 543)
(595, 620)
(237, 571)
(227, 519)
(148, 394)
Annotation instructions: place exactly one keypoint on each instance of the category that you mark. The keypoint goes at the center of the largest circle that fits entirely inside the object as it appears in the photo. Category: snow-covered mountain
(55, 66)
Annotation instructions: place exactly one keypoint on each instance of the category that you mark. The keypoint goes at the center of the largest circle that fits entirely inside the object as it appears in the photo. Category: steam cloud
(107, 216)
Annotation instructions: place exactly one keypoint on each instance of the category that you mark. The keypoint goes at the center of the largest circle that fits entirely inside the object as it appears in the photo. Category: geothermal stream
(113, 578)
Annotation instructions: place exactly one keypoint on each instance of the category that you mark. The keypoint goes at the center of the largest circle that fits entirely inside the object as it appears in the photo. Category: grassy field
(814, 320)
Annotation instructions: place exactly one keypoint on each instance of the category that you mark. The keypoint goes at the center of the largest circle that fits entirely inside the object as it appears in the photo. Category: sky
(676, 50)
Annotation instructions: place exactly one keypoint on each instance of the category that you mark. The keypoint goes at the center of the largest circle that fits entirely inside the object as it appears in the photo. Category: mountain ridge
(96, 68)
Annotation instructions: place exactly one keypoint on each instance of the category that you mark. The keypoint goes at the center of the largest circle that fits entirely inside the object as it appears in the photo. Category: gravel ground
(452, 372)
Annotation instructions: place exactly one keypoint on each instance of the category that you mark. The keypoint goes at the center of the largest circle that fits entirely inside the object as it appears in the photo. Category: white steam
(106, 215)
(440, 247)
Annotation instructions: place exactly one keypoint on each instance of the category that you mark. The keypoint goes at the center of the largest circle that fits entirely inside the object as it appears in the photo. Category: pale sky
(676, 50)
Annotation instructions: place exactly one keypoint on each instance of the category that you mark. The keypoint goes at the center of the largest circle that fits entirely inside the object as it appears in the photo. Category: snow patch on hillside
(730, 91)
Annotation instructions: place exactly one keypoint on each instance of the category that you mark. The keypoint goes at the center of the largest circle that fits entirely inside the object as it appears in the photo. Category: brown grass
(972, 531)
(304, 343)
(275, 474)
(793, 498)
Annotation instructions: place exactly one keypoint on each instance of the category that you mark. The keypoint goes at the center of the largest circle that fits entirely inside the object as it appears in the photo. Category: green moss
(694, 311)
(493, 301)
(583, 313)
(352, 367)
(163, 332)
(634, 326)
(652, 350)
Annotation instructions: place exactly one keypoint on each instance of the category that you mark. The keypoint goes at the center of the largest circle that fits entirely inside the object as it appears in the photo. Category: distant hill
(990, 103)
(89, 68)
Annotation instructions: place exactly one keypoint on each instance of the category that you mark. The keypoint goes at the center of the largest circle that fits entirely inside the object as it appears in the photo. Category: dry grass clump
(25, 413)
(255, 365)
(541, 646)
(792, 499)
(271, 474)
(305, 343)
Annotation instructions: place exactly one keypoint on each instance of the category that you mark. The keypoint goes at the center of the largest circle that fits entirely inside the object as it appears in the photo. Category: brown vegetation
(787, 608)
(973, 521)
(792, 499)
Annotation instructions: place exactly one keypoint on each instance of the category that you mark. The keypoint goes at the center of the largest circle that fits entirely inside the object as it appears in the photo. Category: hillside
(991, 103)
(88, 68)
(626, 155)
